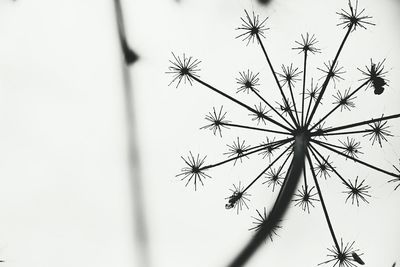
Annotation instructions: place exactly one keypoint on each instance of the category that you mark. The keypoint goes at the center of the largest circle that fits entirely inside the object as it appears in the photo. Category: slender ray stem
(328, 77)
(329, 165)
(322, 202)
(355, 159)
(308, 109)
(395, 116)
(339, 104)
(276, 144)
(269, 166)
(274, 109)
(252, 128)
(304, 174)
(294, 103)
(331, 145)
(276, 79)
(237, 102)
(342, 133)
(304, 88)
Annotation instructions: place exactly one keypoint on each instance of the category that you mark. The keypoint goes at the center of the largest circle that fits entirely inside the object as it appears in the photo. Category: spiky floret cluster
(260, 220)
(344, 255)
(357, 191)
(296, 119)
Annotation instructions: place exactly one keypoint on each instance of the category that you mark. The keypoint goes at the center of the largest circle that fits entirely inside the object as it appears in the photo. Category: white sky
(65, 196)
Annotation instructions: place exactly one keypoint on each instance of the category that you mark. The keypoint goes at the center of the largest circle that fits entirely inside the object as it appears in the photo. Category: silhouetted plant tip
(375, 76)
(313, 92)
(397, 179)
(354, 18)
(268, 150)
(345, 100)
(237, 150)
(193, 171)
(379, 131)
(305, 197)
(332, 72)
(357, 191)
(252, 28)
(307, 44)
(217, 121)
(323, 168)
(294, 121)
(260, 221)
(289, 75)
(344, 256)
(238, 199)
(274, 177)
(286, 107)
(351, 147)
(260, 114)
(247, 81)
(183, 69)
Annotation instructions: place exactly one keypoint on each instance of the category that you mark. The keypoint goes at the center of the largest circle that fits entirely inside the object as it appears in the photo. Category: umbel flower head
(297, 121)
(183, 69)
(375, 76)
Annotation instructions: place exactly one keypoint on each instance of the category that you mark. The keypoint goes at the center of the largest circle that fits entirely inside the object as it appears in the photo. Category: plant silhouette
(293, 122)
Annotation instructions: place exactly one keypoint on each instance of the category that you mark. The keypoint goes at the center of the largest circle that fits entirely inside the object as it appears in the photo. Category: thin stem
(308, 109)
(322, 202)
(327, 79)
(342, 133)
(253, 128)
(274, 109)
(331, 145)
(304, 174)
(304, 88)
(329, 165)
(237, 102)
(269, 166)
(395, 116)
(276, 79)
(294, 103)
(355, 159)
(275, 145)
(339, 104)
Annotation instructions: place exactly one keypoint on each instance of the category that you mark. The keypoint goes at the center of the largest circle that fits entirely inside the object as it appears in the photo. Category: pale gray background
(65, 196)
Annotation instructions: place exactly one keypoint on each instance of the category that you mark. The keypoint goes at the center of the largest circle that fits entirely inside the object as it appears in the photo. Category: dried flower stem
(348, 133)
(273, 145)
(276, 79)
(253, 128)
(339, 104)
(294, 103)
(269, 166)
(359, 123)
(304, 89)
(355, 159)
(327, 79)
(274, 109)
(313, 151)
(322, 202)
(237, 101)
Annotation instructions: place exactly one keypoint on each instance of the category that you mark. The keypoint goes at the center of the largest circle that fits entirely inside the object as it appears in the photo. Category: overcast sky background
(65, 190)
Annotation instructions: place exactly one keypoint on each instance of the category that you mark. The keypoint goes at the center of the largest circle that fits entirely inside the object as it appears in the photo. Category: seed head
(183, 69)
(193, 171)
(217, 121)
(357, 191)
(354, 18)
(252, 28)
